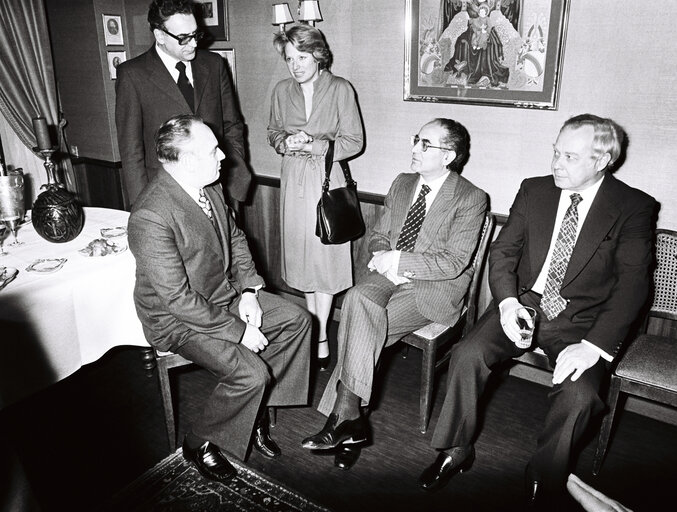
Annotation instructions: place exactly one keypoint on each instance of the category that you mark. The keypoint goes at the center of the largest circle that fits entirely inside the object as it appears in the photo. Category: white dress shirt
(170, 64)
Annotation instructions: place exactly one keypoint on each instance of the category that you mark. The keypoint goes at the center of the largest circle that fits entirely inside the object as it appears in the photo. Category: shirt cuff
(604, 355)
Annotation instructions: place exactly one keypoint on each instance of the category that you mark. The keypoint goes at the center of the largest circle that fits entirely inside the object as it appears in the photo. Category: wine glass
(12, 209)
(3, 230)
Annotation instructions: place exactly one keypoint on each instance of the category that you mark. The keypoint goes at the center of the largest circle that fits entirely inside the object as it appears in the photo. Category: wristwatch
(251, 290)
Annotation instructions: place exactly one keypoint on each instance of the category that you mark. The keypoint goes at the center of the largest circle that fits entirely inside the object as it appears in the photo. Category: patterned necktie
(206, 205)
(413, 223)
(184, 85)
(552, 303)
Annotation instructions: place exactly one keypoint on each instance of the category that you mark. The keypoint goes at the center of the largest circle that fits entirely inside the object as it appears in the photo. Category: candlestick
(42, 133)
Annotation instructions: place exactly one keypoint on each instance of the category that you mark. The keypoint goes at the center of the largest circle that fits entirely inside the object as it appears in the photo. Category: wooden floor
(84, 438)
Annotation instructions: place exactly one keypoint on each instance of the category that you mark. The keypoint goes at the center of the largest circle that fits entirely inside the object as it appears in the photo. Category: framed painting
(213, 17)
(229, 55)
(486, 52)
(114, 60)
(112, 30)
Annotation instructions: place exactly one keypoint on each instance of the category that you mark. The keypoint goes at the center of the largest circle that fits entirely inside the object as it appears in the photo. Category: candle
(42, 133)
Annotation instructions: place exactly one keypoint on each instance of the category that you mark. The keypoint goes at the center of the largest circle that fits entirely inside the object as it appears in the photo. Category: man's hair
(173, 135)
(457, 138)
(305, 39)
(161, 10)
(608, 138)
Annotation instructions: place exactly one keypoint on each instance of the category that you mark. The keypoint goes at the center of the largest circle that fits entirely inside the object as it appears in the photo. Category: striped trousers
(375, 314)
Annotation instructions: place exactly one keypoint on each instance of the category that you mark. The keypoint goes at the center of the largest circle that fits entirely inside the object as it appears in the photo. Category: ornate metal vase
(57, 217)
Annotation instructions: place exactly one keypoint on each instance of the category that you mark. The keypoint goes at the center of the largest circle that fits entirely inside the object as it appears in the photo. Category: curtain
(27, 82)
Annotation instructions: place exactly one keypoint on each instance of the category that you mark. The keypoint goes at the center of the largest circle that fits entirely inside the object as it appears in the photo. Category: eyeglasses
(425, 144)
(184, 39)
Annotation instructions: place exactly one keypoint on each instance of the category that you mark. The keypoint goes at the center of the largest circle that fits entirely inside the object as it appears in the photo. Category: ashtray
(113, 232)
(46, 266)
(101, 247)
(7, 275)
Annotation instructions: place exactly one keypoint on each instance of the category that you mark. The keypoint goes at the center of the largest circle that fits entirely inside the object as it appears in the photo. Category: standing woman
(307, 111)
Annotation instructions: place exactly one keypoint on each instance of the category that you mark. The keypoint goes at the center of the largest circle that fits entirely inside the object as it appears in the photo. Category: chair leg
(607, 424)
(427, 381)
(272, 414)
(165, 387)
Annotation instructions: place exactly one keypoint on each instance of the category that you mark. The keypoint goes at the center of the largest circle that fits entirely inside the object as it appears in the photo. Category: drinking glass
(527, 328)
(12, 209)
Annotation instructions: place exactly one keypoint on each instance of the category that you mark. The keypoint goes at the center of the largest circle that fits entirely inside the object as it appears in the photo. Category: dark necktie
(413, 222)
(552, 303)
(184, 85)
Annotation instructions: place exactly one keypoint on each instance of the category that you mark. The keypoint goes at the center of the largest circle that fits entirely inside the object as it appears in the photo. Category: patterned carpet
(174, 485)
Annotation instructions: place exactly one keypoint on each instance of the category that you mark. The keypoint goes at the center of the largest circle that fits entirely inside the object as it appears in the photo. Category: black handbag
(339, 218)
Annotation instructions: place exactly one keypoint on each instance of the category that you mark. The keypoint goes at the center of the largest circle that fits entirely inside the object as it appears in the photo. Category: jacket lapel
(189, 215)
(599, 221)
(161, 78)
(541, 224)
(437, 213)
(401, 203)
(200, 79)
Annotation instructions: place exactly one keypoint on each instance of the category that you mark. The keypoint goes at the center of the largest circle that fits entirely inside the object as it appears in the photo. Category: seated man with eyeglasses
(422, 249)
(176, 77)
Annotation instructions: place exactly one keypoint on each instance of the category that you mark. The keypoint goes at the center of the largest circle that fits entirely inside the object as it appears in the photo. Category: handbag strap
(328, 162)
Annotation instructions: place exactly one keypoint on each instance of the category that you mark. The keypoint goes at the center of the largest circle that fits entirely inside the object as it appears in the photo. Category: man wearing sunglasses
(422, 248)
(175, 77)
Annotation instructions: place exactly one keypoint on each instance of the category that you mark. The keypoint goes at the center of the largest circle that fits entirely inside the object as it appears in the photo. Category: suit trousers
(277, 376)
(375, 314)
(571, 405)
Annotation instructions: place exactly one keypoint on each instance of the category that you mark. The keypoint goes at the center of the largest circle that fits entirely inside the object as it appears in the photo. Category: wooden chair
(648, 368)
(433, 336)
(165, 361)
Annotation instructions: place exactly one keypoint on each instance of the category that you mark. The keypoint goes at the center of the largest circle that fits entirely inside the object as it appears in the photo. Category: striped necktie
(413, 222)
(552, 303)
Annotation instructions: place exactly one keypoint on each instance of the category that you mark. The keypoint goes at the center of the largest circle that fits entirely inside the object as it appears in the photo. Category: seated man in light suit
(577, 248)
(198, 294)
(422, 248)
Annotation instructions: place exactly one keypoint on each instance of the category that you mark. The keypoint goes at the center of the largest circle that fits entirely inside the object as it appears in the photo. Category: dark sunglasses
(184, 39)
(425, 144)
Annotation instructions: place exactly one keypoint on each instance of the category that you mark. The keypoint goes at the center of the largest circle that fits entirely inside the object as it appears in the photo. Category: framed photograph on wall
(112, 30)
(114, 60)
(213, 17)
(229, 55)
(486, 52)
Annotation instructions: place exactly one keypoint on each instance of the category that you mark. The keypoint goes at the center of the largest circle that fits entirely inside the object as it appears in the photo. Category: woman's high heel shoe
(323, 362)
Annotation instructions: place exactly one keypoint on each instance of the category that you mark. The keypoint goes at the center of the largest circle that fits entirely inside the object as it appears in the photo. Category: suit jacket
(608, 277)
(147, 96)
(186, 278)
(439, 265)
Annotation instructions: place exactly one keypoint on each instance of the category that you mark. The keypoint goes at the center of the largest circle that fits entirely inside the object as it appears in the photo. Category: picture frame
(485, 52)
(212, 16)
(112, 30)
(114, 60)
(229, 55)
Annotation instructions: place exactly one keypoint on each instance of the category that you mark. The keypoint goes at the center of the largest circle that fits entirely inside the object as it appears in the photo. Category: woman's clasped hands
(300, 141)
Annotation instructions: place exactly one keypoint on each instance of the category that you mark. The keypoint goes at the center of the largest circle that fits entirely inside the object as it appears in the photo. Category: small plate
(7, 275)
(113, 232)
(46, 266)
(101, 247)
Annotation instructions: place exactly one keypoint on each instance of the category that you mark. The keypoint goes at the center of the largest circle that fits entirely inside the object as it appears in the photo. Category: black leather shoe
(447, 464)
(332, 435)
(209, 462)
(263, 443)
(347, 456)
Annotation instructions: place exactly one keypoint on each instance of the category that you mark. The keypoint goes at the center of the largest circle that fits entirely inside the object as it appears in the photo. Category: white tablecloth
(52, 324)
